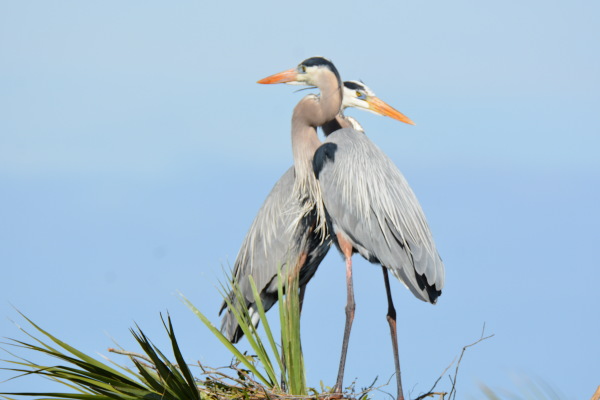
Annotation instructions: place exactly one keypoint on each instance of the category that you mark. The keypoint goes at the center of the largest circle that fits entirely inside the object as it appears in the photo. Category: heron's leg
(391, 318)
(346, 248)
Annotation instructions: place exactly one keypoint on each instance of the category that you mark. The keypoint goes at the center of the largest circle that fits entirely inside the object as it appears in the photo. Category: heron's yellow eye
(302, 68)
(360, 95)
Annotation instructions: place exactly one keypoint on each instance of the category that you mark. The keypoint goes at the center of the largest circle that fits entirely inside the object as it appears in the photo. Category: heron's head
(314, 71)
(358, 95)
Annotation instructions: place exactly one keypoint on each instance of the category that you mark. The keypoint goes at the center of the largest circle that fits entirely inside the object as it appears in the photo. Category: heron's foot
(336, 393)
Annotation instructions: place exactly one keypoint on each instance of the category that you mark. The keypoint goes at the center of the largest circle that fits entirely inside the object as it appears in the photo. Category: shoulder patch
(323, 155)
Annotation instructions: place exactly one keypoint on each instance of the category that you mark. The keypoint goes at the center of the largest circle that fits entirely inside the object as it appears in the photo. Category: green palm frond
(287, 363)
(96, 380)
(289, 314)
(153, 376)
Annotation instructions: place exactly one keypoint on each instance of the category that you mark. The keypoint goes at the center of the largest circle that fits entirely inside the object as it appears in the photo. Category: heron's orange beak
(382, 108)
(291, 75)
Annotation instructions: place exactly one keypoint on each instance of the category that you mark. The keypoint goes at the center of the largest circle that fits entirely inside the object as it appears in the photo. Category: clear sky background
(136, 149)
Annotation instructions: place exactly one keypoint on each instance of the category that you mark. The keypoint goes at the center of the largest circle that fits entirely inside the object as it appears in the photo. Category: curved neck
(311, 112)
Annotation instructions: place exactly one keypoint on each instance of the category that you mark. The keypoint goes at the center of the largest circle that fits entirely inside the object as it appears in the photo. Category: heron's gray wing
(275, 240)
(369, 200)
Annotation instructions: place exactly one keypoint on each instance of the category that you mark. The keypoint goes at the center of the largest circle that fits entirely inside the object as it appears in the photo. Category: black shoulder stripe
(323, 155)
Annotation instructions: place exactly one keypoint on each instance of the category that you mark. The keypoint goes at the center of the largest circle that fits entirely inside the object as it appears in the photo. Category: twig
(482, 338)
(431, 392)
(132, 355)
(129, 353)
(201, 367)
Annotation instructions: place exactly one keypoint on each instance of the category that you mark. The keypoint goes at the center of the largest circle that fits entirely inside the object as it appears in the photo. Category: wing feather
(368, 199)
(274, 240)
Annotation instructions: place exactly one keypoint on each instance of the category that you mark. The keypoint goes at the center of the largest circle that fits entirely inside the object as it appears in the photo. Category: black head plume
(354, 85)
(323, 63)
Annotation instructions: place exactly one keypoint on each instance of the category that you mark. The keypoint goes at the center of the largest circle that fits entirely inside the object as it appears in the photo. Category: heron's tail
(230, 326)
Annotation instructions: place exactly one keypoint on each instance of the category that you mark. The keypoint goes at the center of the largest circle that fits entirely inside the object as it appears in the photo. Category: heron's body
(278, 235)
(372, 210)
(290, 230)
(369, 201)
(370, 207)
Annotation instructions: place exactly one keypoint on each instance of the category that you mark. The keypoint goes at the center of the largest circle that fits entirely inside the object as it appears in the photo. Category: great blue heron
(271, 242)
(370, 208)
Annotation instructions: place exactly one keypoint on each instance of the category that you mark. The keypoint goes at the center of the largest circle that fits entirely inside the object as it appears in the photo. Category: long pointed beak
(382, 108)
(290, 75)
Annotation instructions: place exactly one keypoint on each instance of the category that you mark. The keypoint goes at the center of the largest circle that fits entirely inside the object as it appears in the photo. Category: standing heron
(370, 208)
(271, 242)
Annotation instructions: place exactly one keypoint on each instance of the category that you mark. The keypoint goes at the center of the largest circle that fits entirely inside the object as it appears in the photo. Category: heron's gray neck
(304, 144)
(306, 187)
(311, 112)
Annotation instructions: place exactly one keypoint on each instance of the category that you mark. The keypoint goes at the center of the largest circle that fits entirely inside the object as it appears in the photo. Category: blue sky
(136, 148)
